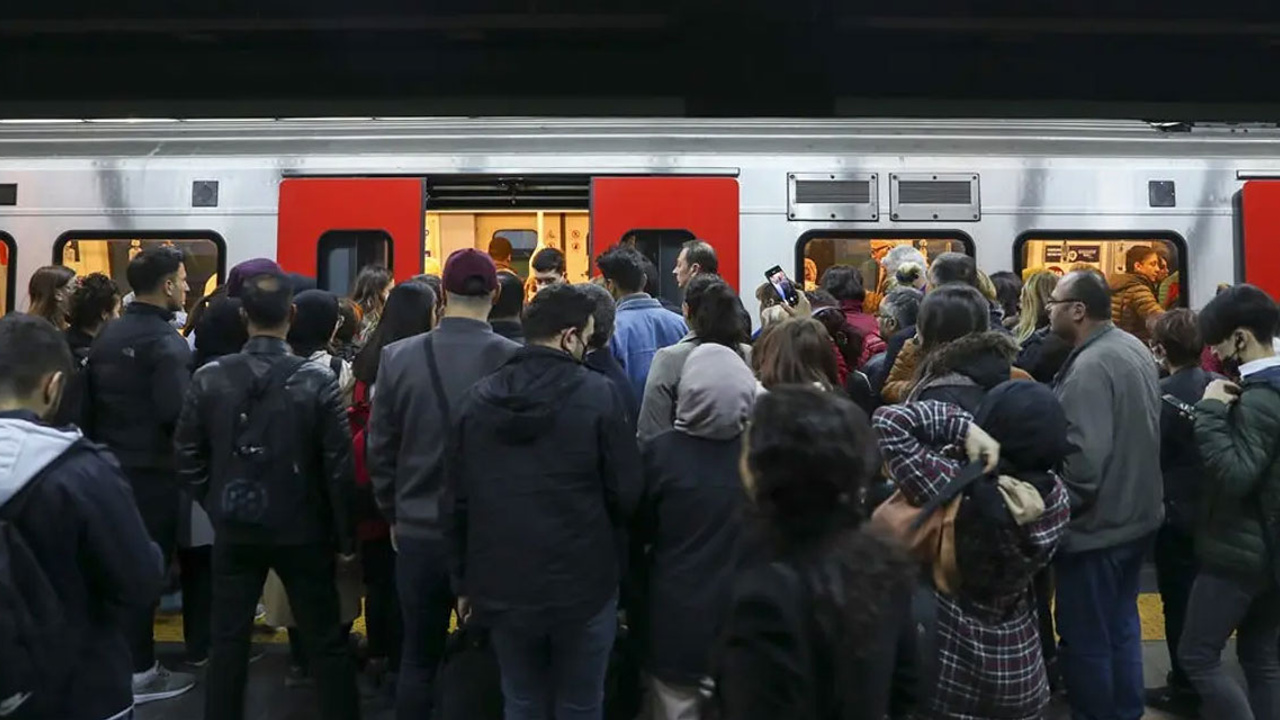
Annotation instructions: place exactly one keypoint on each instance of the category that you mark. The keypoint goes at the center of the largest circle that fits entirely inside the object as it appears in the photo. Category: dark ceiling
(818, 58)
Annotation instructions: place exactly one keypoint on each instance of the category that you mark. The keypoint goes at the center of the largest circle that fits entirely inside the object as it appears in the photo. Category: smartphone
(786, 290)
(1184, 410)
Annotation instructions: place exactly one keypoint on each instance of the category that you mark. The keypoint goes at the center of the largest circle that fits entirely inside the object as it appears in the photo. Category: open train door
(329, 228)
(1260, 254)
(658, 214)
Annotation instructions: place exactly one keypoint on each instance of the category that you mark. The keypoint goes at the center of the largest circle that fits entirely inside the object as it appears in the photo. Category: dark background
(1173, 60)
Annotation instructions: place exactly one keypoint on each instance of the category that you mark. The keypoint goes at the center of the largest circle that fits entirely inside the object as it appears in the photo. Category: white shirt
(1256, 366)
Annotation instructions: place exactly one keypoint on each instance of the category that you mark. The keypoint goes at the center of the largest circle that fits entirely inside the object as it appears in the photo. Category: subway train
(326, 196)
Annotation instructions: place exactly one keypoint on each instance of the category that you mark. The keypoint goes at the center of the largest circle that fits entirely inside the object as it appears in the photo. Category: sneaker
(159, 683)
(1179, 701)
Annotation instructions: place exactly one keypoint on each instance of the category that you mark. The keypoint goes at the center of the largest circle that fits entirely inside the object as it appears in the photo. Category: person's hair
(624, 266)
(314, 319)
(30, 349)
(147, 271)
(510, 299)
(350, 314)
(1135, 255)
(948, 313)
(821, 299)
(367, 291)
(652, 284)
(844, 282)
(954, 267)
(900, 255)
(96, 295)
(605, 314)
(435, 283)
(221, 330)
(1035, 303)
(1091, 288)
(410, 310)
(500, 248)
(908, 274)
(42, 293)
(903, 304)
(555, 309)
(715, 314)
(767, 296)
(266, 300)
(700, 253)
(1178, 332)
(200, 307)
(548, 259)
(1008, 292)
(795, 352)
(771, 316)
(1241, 307)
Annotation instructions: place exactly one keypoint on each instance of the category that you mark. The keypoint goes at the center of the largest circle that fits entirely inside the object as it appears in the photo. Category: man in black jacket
(263, 443)
(542, 471)
(138, 371)
(71, 504)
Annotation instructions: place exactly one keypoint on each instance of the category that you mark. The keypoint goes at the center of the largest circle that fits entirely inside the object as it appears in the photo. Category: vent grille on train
(489, 192)
(832, 196)
(928, 196)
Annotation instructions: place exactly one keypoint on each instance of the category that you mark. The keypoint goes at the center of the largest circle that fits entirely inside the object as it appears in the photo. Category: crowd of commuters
(915, 491)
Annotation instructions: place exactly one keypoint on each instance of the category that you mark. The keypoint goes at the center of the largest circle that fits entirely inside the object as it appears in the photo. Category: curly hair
(95, 296)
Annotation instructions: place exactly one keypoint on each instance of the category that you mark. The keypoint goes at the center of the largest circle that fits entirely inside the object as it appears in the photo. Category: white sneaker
(159, 683)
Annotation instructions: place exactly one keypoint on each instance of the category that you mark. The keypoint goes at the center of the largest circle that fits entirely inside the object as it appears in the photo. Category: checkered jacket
(990, 664)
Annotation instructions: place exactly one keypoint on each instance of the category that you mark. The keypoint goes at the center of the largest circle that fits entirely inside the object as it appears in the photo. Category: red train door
(1260, 256)
(330, 227)
(657, 213)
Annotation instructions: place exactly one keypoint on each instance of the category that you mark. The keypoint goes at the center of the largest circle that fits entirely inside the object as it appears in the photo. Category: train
(326, 196)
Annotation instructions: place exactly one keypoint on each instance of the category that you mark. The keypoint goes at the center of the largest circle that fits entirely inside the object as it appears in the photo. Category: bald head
(1091, 289)
(1079, 303)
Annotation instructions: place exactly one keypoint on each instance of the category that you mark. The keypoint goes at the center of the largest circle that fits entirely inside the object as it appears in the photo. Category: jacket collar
(637, 301)
(143, 308)
(451, 325)
(263, 345)
(1102, 330)
(1257, 366)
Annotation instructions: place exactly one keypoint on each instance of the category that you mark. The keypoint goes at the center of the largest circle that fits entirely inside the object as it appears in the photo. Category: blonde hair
(909, 274)
(1035, 302)
(987, 288)
(772, 315)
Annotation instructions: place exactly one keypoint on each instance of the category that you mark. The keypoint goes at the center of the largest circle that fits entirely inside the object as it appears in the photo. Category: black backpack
(263, 489)
(37, 646)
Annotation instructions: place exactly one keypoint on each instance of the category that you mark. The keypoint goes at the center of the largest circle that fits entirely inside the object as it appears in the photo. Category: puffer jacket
(1133, 304)
(1238, 445)
(867, 326)
(962, 371)
(204, 445)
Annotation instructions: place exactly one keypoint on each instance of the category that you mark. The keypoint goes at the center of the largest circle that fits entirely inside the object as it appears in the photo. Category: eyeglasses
(1051, 301)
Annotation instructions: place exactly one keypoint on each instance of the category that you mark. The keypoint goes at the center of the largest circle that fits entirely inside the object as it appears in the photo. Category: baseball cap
(470, 272)
(248, 269)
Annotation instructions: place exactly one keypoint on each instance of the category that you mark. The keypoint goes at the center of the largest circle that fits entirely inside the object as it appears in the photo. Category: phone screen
(782, 284)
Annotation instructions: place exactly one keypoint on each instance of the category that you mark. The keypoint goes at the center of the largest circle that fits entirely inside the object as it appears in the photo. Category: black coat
(963, 370)
(322, 452)
(138, 372)
(509, 329)
(691, 517)
(82, 526)
(541, 472)
(1043, 354)
(603, 361)
(1180, 462)
(71, 410)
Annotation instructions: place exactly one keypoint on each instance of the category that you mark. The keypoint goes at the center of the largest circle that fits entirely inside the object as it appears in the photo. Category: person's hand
(802, 308)
(463, 609)
(980, 446)
(1223, 391)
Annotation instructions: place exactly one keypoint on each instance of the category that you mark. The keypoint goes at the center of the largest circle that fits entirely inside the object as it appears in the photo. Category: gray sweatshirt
(1110, 391)
(658, 406)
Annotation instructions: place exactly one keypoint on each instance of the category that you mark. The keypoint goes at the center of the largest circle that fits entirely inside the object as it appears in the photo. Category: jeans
(558, 673)
(426, 602)
(196, 566)
(1100, 655)
(1175, 571)
(1218, 607)
(381, 606)
(157, 498)
(308, 574)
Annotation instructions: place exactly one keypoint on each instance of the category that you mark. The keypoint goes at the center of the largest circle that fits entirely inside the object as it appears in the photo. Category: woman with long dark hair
(410, 310)
(823, 628)
(49, 294)
(796, 352)
(961, 358)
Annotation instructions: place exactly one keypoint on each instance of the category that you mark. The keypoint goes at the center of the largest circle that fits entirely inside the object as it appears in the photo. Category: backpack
(263, 489)
(358, 418)
(37, 647)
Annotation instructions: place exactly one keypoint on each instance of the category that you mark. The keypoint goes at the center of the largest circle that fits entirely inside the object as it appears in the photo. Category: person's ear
(53, 388)
(244, 317)
(293, 313)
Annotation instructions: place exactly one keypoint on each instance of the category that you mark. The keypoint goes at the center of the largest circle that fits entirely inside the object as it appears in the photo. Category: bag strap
(968, 475)
(437, 384)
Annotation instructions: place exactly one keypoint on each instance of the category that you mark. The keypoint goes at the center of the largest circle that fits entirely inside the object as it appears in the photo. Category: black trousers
(157, 498)
(308, 574)
(1175, 573)
(196, 568)
(381, 604)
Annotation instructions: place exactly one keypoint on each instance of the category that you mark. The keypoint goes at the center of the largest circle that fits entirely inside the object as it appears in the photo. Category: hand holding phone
(782, 284)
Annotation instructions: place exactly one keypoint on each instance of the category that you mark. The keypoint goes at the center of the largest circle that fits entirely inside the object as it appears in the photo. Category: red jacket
(370, 523)
(867, 326)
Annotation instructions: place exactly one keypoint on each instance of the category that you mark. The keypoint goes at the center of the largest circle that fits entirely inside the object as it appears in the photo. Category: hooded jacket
(1134, 304)
(1238, 444)
(691, 514)
(83, 527)
(963, 370)
(658, 405)
(541, 472)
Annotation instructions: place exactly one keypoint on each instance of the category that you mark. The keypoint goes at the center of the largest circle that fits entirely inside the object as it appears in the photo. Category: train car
(326, 196)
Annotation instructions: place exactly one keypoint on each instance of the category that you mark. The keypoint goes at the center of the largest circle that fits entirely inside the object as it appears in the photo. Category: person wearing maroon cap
(421, 382)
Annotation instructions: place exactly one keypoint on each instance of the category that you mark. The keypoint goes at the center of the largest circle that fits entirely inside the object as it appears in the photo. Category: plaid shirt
(990, 664)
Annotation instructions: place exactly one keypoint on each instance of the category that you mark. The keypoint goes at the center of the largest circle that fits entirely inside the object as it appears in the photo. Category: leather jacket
(204, 444)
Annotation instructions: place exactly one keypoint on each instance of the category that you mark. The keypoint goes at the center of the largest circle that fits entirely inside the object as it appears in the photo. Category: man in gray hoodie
(421, 381)
(1110, 392)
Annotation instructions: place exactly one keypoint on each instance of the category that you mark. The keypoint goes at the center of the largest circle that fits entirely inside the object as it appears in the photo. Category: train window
(662, 247)
(342, 253)
(109, 252)
(7, 268)
(523, 243)
(818, 250)
(1154, 259)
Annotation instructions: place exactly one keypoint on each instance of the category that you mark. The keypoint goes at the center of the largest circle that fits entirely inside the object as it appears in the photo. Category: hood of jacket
(526, 392)
(716, 395)
(985, 357)
(27, 446)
